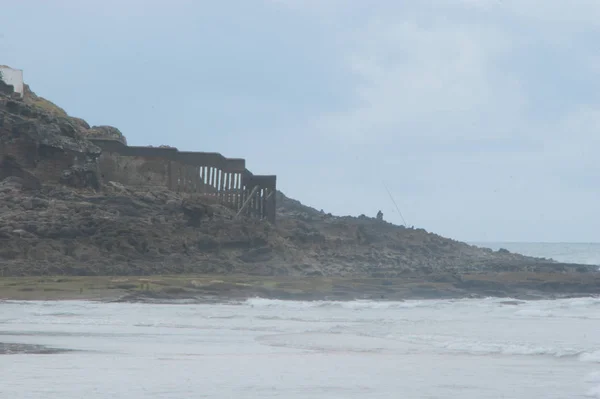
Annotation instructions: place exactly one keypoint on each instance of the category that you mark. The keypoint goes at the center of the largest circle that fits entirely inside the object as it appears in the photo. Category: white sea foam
(593, 377)
(352, 305)
(590, 357)
(329, 342)
(594, 392)
(488, 348)
(534, 313)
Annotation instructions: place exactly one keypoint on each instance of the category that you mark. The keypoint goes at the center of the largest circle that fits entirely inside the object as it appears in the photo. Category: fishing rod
(396, 205)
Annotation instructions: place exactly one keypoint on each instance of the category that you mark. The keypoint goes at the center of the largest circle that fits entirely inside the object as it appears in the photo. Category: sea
(261, 348)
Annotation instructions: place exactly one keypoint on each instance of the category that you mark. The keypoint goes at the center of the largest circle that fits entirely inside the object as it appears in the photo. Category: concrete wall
(205, 173)
(208, 174)
(51, 162)
(13, 77)
(138, 171)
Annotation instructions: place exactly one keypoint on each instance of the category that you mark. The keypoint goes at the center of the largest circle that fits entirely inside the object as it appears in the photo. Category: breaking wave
(595, 379)
(342, 341)
(328, 342)
(486, 348)
(541, 308)
(590, 357)
(352, 305)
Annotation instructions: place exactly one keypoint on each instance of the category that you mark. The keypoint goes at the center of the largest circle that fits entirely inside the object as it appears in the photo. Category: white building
(13, 77)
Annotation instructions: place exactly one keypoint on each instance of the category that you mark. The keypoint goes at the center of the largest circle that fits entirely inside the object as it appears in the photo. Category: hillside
(52, 228)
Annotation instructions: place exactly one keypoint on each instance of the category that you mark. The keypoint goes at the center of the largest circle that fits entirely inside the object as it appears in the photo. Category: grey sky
(481, 116)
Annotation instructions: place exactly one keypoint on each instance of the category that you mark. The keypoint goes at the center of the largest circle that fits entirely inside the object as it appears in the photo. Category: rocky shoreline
(204, 288)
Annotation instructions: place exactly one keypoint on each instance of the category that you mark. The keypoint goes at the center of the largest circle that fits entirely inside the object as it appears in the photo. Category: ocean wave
(594, 392)
(341, 340)
(534, 313)
(483, 348)
(351, 305)
(50, 303)
(329, 342)
(160, 324)
(57, 314)
(590, 357)
(204, 326)
(66, 321)
(320, 320)
(584, 302)
(593, 377)
(545, 308)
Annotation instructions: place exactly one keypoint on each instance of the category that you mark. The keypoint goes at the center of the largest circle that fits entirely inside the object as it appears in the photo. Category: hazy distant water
(584, 253)
(472, 349)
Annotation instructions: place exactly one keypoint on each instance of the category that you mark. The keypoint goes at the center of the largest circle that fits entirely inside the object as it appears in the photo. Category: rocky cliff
(62, 230)
(49, 225)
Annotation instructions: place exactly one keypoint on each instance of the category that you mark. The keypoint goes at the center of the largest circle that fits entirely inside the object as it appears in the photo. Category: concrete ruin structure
(203, 173)
(44, 148)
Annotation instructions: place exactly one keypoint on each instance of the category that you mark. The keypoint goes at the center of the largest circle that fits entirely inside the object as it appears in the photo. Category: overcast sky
(481, 116)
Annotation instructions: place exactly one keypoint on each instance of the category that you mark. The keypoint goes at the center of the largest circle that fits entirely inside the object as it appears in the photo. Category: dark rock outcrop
(81, 176)
(61, 230)
(6, 89)
(40, 146)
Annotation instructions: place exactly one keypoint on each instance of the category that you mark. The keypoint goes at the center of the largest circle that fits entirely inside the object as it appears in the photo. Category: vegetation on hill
(40, 102)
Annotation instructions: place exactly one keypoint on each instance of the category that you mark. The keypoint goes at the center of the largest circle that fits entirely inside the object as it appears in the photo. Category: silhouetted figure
(379, 215)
